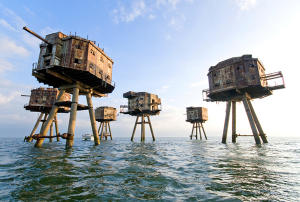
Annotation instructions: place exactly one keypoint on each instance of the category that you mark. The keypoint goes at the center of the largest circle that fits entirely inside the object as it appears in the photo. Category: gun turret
(36, 35)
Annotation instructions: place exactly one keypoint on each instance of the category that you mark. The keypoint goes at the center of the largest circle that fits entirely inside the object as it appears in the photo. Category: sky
(164, 47)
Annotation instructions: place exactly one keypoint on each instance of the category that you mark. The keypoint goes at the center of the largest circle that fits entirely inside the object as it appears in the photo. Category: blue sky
(163, 47)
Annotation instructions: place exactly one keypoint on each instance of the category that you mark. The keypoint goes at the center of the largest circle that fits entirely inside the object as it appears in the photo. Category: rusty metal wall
(106, 113)
(236, 73)
(196, 113)
(75, 52)
(142, 101)
(45, 97)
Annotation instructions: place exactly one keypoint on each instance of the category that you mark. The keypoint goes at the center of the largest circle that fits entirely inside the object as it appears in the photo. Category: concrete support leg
(105, 130)
(203, 131)
(261, 132)
(35, 127)
(196, 131)
(100, 134)
(234, 122)
(56, 128)
(136, 122)
(102, 126)
(143, 128)
(51, 132)
(200, 131)
(43, 122)
(52, 114)
(250, 118)
(192, 131)
(93, 119)
(225, 130)
(72, 119)
(109, 131)
(151, 128)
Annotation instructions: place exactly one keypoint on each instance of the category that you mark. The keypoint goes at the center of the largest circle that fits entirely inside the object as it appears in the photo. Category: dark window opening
(91, 65)
(78, 61)
(253, 77)
(217, 85)
(228, 81)
(239, 67)
(79, 47)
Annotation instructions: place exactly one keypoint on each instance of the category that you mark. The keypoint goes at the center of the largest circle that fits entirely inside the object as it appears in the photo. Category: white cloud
(174, 3)
(137, 9)
(20, 23)
(200, 83)
(151, 17)
(176, 20)
(164, 88)
(5, 66)
(46, 31)
(10, 49)
(168, 37)
(6, 25)
(246, 4)
(28, 10)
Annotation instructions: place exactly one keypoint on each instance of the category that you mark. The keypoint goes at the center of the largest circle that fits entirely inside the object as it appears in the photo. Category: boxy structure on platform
(42, 100)
(105, 115)
(77, 66)
(197, 116)
(241, 79)
(141, 104)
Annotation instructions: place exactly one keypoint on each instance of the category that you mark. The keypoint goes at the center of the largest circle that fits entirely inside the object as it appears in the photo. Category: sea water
(168, 169)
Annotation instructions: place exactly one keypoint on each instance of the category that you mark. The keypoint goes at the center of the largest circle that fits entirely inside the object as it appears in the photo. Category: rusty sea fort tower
(241, 79)
(76, 66)
(42, 100)
(197, 116)
(141, 104)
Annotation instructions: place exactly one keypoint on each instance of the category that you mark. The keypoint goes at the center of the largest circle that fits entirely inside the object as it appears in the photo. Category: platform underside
(44, 109)
(144, 112)
(74, 75)
(237, 94)
(196, 121)
(104, 120)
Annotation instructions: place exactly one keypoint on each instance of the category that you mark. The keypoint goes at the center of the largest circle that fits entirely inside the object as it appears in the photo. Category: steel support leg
(56, 127)
(92, 118)
(100, 135)
(72, 119)
(224, 138)
(151, 128)
(261, 132)
(136, 121)
(105, 130)
(250, 118)
(203, 131)
(52, 114)
(35, 127)
(234, 122)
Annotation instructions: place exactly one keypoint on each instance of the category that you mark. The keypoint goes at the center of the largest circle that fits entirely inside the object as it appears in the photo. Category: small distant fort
(197, 116)
(105, 115)
(241, 79)
(141, 104)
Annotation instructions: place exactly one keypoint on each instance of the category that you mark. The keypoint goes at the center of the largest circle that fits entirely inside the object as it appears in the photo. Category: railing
(205, 94)
(277, 80)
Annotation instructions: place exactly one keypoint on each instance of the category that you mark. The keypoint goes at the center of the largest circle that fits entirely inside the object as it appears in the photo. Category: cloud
(11, 49)
(151, 17)
(138, 7)
(200, 83)
(174, 3)
(176, 20)
(168, 37)
(20, 23)
(28, 10)
(47, 30)
(164, 88)
(246, 4)
(6, 25)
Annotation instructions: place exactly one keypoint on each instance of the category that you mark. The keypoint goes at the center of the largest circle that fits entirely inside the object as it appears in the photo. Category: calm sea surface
(169, 169)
